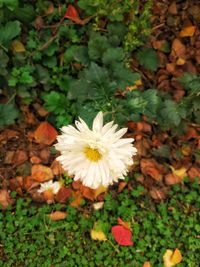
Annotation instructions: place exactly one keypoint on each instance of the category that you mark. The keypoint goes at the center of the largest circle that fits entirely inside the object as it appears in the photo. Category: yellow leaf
(171, 258)
(179, 172)
(97, 234)
(17, 47)
(167, 258)
(101, 189)
(187, 31)
(176, 257)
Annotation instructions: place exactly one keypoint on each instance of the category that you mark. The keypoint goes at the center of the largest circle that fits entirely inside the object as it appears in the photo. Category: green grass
(29, 238)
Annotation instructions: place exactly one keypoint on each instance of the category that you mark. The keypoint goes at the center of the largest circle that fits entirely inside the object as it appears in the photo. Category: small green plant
(28, 237)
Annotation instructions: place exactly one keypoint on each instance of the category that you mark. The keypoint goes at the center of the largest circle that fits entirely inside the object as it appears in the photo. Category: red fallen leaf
(45, 133)
(124, 224)
(5, 199)
(63, 194)
(41, 173)
(122, 235)
(76, 184)
(72, 14)
(57, 215)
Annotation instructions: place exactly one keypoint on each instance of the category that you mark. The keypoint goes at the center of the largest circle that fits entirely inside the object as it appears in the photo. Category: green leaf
(10, 4)
(148, 58)
(3, 62)
(153, 103)
(191, 82)
(171, 113)
(56, 102)
(112, 55)
(8, 114)
(9, 32)
(97, 45)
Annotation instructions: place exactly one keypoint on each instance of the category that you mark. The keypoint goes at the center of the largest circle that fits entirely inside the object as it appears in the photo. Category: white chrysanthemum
(54, 187)
(98, 156)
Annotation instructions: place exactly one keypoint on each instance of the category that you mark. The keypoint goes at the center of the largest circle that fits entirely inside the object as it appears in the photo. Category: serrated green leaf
(148, 58)
(112, 55)
(8, 114)
(9, 32)
(191, 83)
(153, 103)
(171, 113)
(97, 45)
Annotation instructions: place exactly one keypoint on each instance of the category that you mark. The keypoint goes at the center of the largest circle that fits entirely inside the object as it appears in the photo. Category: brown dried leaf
(157, 193)
(5, 199)
(19, 157)
(41, 173)
(57, 215)
(16, 184)
(178, 48)
(121, 186)
(193, 172)
(56, 168)
(63, 194)
(29, 183)
(151, 168)
(171, 179)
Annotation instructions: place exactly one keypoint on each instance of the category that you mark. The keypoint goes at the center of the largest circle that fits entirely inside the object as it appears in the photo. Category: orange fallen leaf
(29, 183)
(171, 179)
(194, 172)
(45, 133)
(187, 31)
(35, 160)
(48, 196)
(41, 173)
(5, 199)
(57, 215)
(124, 224)
(178, 48)
(177, 256)
(121, 186)
(147, 264)
(77, 199)
(173, 8)
(16, 184)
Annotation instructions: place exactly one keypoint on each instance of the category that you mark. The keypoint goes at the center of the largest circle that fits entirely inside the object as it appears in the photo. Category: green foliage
(8, 32)
(28, 237)
(8, 114)
(148, 58)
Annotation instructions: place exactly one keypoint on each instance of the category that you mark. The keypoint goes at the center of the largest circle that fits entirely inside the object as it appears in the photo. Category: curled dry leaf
(122, 235)
(56, 168)
(41, 173)
(57, 215)
(20, 156)
(5, 199)
(151, 168)
(121, 186)
(158, 193)
(45, 133)
(171, 179)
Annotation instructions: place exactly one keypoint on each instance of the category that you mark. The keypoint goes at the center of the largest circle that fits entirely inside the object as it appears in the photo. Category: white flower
(98, 156)
(49, 186)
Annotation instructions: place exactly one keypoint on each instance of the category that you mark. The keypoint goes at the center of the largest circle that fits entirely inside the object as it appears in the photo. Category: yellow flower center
(92, 154)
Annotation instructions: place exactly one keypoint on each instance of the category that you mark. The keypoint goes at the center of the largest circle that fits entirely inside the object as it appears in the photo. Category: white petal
(98, 122)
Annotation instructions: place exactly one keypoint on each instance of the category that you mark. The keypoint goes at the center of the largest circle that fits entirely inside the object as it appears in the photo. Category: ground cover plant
(135, 61)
